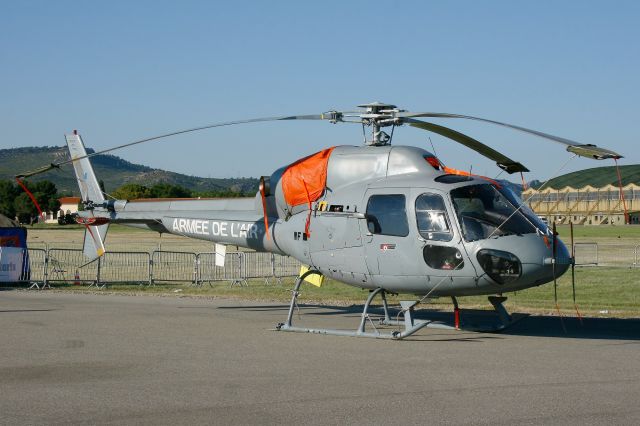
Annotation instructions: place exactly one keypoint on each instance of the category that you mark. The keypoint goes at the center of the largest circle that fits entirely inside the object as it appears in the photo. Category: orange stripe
(451, 171)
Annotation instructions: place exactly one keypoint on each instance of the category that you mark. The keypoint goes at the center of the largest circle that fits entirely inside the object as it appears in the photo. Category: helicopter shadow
(525, 325)
(573, 328)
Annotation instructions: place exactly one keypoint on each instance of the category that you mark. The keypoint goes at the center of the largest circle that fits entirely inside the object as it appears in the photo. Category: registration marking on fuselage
(214, 228)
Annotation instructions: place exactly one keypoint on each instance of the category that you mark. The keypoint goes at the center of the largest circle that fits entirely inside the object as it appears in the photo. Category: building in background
(68, 205)
(587, 205)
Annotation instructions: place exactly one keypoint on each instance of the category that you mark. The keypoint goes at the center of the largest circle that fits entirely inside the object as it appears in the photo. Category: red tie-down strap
(308, 223)
(264, 206)
(624, 202)
(33, 199)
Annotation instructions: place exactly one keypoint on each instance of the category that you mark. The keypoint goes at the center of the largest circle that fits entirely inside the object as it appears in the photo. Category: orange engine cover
(304, 181)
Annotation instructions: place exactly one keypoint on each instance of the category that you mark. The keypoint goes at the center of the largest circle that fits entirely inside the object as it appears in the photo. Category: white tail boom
(94, 236)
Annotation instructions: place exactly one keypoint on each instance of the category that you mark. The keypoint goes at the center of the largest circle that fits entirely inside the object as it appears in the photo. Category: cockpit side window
(387, 215)
(432, 219)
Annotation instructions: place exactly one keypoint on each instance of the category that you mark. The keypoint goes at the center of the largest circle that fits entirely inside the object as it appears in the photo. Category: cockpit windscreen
(484, 211)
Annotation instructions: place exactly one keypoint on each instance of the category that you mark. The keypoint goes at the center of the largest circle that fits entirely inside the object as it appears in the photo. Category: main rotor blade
(504, 162)
(209, 126)
(583, 150)
(331, 116)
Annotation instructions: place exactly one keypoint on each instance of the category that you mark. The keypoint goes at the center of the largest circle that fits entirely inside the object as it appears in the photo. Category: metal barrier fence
(42, 266)
(258, 265)
(173, 266)
(617, 255)
(125, 267)
(34, 269)
(285, 266)
(70, 265)
(585, 253)
(613, 255)
(232, 270)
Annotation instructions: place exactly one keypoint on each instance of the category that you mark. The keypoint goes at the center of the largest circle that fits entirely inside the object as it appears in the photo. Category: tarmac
(105, 359)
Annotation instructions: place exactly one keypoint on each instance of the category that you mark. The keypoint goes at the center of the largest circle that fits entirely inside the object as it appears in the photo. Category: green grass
(616, 291)
(603, 231)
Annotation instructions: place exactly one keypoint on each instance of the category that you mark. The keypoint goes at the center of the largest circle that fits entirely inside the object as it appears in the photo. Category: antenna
(433, 147)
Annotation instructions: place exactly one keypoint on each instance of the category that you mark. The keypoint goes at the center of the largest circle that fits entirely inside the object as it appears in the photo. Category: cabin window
(387, 215)
(440, 257)
(431, 216)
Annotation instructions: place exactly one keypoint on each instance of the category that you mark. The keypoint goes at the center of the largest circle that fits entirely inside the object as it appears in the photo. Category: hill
(112, 170)
(597, 177)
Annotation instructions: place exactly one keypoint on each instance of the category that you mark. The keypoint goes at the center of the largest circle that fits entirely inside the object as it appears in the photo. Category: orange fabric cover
(304, 181)
(463, 173)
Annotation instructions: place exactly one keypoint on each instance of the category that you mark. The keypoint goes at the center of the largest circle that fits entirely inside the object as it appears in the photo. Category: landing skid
(405, 327)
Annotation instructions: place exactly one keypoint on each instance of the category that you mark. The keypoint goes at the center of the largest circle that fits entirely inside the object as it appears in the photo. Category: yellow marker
(314, 279)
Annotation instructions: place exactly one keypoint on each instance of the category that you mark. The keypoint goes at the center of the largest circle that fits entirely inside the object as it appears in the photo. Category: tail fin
(89, 188)
(90, 191)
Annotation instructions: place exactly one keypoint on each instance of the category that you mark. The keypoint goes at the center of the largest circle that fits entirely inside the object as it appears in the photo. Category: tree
(223, 193)
(132, 191)
(8, 193)
(165, 190)
(26, 211)
(46, 194)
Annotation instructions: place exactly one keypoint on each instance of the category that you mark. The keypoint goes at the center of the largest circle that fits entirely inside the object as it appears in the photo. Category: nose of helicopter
(518, 262)
(541, 265)
(562, 259)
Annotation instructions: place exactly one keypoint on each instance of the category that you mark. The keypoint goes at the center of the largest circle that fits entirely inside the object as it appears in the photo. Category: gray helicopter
(390, 219)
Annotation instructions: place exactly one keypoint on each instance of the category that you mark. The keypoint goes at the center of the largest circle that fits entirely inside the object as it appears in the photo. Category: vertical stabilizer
(89, 188)
(89, 191)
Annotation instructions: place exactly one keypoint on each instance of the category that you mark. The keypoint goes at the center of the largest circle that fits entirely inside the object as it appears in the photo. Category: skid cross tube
(411, 325)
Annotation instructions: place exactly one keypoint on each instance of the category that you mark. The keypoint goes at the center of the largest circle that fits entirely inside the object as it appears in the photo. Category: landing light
(503, 267)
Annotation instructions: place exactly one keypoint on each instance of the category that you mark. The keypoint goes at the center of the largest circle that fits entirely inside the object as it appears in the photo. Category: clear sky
(124, 70)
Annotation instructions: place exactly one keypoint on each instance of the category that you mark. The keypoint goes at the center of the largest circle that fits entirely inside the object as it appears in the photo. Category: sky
(119, 71)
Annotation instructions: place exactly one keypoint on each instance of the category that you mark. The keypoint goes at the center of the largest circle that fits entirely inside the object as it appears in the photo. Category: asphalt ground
(103, 359)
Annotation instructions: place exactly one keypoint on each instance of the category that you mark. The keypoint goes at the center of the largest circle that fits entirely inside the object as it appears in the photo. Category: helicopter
(387, 218)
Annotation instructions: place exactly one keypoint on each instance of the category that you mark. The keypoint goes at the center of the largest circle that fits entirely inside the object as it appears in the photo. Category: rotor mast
(376, 116)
